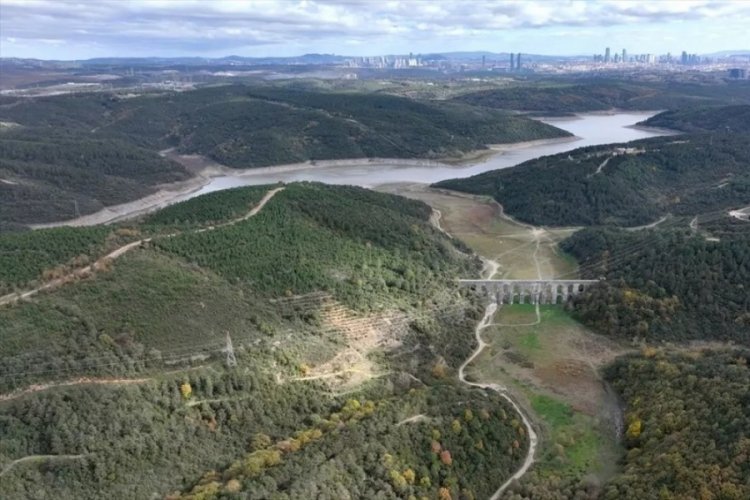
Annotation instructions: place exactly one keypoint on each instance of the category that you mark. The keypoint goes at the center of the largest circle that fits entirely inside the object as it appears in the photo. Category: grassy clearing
(574, 443)
(550, 363)
(552, 366)
(479, 223)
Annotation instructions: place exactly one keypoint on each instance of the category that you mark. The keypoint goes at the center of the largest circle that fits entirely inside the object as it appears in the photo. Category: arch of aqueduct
(529, 291)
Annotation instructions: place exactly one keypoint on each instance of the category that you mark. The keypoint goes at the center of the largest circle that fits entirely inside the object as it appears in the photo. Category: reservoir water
(589, 129)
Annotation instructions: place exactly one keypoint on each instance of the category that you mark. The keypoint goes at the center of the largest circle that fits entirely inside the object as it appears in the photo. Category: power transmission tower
(231, 360)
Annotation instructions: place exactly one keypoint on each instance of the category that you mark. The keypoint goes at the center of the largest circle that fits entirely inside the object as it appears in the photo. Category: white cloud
(201, 26)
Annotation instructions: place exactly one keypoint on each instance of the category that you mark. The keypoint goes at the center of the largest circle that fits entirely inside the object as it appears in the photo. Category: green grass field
(552, 366)
(478, 222)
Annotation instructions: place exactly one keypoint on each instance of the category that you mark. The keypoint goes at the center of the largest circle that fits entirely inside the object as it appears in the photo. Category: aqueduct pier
(529, 291)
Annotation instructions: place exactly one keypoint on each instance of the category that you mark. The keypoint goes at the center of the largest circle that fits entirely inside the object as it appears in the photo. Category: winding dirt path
(741, 214)
(502, 391)
(102, 262)
(72, 275)
(490, 267)
(416, 418)
(32, 458)
(647, 226)
(601, 166)
(79, 381)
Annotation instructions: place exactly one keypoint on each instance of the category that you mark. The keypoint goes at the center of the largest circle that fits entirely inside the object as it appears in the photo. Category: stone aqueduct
(529, 291)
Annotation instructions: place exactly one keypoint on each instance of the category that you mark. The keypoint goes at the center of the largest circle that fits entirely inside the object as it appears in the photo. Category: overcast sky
(77, 29)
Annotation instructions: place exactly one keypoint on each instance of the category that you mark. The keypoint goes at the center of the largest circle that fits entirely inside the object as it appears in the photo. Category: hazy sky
(74, 29)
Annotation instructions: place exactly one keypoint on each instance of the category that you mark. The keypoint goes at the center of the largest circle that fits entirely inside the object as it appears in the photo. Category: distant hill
(99, 149)
(709, 119)
(624, 184)
(44, 176)
(600, 95)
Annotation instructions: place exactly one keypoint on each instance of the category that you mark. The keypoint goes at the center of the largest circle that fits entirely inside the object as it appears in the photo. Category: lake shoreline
(205, 171)
(585, 129)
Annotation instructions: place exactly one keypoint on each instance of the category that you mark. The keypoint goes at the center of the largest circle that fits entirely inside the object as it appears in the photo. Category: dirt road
(32, 458)
(101, 263)
(533, 438)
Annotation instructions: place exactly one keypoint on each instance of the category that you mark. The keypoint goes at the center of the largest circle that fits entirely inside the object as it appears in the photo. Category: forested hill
(346, 324)
(48, 176)
(724, 119)
(688, 420)
(666, 284)
(624, 184)
(74, 154)
(564, 97)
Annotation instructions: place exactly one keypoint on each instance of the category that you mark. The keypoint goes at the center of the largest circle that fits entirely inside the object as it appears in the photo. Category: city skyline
(66, 30)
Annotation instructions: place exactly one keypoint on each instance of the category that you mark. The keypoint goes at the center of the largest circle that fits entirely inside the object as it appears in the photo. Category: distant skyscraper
(483, 61)
(624, 55)
(518, 61)
(684, 58)
(607, 55)
(512, 63)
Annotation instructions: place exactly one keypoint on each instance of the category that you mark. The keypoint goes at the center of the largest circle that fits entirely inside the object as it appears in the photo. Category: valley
(207, 332)
(547, 362)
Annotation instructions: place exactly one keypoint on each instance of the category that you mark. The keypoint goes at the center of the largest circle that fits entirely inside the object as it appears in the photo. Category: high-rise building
(512, 63)
(624, 55)
(518, 61)
(684, 58)
(607, 55)
(484, 59)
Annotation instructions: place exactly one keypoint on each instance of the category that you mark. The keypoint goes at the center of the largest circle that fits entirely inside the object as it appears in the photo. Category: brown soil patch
(363, 333)
(482, 214)
(576, 380)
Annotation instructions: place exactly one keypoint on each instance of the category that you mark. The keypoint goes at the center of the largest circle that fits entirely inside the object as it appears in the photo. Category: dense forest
(587, 94)
(47, 175)
(320, 274)
(626, 184)
(664, 284)
(368, 250)
(212, 434)
(70, 154)
(688, 422)
(270, 126)
(26, 255)
(704, 119)
(686, 425)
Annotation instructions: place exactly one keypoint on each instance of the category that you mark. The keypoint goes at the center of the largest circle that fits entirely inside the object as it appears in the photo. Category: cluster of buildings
(517, 65)
(622, 57)
(386, 62)
(738, 65)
